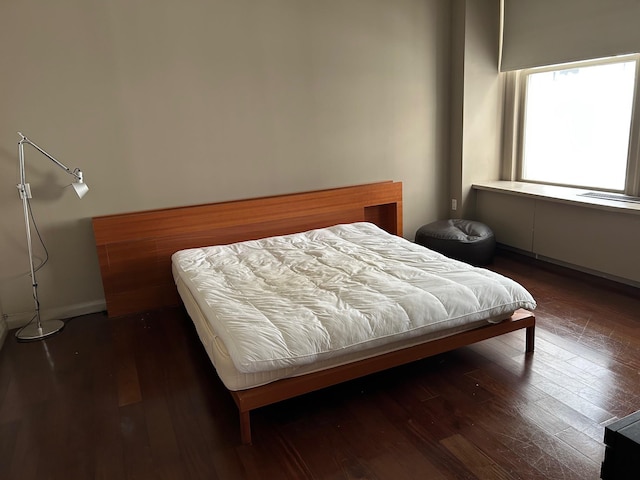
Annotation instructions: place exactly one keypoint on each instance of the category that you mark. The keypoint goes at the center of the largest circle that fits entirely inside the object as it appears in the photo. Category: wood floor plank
(138, 457)
(437, 413)
(126, 372)
(384, 445)
(584, 444)
(25, 460)
(474, 458)
(573, 418)
(8, 441)
(548, 454)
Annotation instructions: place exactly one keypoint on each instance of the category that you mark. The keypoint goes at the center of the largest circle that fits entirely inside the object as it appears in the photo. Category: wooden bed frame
(134, 250)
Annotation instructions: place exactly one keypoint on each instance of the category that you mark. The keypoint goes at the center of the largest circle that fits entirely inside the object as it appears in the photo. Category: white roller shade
(549, 32)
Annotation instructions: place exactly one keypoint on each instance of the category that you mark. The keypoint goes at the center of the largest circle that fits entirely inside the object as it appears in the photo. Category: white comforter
(291, 300)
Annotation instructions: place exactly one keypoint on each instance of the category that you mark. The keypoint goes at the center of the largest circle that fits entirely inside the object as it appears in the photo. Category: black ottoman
(466, 240)
(622, 440)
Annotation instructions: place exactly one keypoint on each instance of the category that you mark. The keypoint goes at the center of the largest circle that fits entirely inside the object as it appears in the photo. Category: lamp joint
(25, 190)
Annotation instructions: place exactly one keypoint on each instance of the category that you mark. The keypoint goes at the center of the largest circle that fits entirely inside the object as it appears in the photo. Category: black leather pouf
(467, 240)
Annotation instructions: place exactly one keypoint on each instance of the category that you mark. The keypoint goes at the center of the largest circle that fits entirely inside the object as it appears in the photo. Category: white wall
(166, 103)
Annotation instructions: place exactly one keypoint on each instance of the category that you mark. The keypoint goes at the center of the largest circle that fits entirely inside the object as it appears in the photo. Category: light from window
(577, 125)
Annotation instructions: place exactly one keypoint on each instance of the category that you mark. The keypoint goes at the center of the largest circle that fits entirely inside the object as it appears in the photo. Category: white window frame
(515, 98)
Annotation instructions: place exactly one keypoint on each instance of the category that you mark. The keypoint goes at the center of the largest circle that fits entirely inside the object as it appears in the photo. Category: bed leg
(531, 339)
(245, 427)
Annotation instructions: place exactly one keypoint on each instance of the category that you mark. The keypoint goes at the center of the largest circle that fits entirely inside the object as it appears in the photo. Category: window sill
(566, 195)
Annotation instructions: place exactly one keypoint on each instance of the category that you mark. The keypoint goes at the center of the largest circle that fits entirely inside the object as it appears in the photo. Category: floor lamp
(37, 329)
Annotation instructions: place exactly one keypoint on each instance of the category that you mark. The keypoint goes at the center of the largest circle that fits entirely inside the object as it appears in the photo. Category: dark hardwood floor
(136, 398)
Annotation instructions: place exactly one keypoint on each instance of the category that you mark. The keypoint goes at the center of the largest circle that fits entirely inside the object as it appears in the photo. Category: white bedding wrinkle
(292, 300)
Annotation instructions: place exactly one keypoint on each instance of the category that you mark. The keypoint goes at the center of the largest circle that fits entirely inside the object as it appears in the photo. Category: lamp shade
(81, 188)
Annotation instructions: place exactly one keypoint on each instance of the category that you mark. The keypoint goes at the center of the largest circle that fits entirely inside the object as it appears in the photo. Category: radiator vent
(618, 197)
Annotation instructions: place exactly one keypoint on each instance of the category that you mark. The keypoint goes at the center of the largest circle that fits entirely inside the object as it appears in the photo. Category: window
(576, 125)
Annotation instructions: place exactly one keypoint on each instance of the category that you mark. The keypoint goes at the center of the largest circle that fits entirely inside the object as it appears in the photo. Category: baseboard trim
(4, 330)
(613, 282)
(17, 320)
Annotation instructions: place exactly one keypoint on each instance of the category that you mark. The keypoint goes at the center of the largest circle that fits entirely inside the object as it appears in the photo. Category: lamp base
(31, 332)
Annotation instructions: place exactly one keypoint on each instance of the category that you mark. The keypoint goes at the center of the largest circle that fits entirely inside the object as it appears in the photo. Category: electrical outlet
(454, 204)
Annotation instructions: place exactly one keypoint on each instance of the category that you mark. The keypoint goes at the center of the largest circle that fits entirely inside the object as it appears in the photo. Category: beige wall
(166, 103)
(477, 100)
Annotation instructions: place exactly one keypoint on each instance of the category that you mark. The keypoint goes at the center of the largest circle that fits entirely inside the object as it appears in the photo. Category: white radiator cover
(602, 242)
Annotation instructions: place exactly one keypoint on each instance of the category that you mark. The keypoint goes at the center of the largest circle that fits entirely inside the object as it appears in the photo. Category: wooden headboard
(134, 249)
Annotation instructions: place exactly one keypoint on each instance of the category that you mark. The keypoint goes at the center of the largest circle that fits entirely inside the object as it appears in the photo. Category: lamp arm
(76, 173)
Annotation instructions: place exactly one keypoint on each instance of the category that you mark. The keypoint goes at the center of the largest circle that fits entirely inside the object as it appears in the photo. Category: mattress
(293, 304)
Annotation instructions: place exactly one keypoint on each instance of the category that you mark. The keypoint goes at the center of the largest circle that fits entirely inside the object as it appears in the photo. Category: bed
(289, 294)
